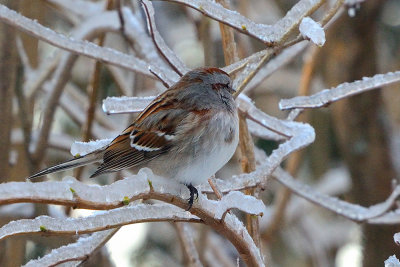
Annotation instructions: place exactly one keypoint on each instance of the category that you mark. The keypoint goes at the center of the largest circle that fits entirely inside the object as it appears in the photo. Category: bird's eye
(229, 88)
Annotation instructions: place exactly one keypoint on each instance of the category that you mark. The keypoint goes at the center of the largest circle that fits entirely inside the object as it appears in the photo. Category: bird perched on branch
(187, 133)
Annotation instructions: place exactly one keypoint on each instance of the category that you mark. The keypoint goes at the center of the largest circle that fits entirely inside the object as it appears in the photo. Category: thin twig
(173, 61)
(214, 187)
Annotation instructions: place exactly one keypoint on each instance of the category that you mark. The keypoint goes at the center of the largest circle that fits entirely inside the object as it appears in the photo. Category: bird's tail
(93, 157)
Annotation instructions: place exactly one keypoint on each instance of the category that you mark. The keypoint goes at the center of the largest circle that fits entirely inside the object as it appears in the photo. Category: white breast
(217, 154)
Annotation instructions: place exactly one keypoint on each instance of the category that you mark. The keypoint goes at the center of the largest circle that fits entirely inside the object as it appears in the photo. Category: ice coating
(86, 48)
(98, 221)
(348, 210)
(81, 248)
(267, 33)
(27, 190)
(83, 148)
(341, 91)
(125, 104)
(312, 30)
(233, 200)
(169, 54)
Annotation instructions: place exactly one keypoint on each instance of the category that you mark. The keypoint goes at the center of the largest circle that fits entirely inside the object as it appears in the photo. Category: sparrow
(186, 133)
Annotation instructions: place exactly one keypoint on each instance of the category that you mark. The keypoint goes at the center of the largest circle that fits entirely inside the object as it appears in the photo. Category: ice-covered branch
(145, 184)
(269, 34)
(313, 31)
(78, 251)
(351, 211)
(87, 30)
(88, 49)
(341, 91)
(100, 221)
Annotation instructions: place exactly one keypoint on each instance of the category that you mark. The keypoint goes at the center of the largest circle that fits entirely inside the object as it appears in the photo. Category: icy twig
(311, 30)
(172, 59)
(351, 211)
(391, 217)
(83, 148)
(98, 222)
(78, 251)
(299, 134)
(269, 34)
(125, 104)
(135, 32)
(341, 91)
(250, 71)
(88, 49)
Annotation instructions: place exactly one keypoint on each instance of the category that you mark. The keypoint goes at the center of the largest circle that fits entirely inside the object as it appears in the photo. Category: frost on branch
(269, 34)
(312, 30)
(250, 64)
(76, 252)
(99, 221)
(89, 49)
(162, 47)
(125, 104)
(341, 91)
(233, 200)
(350, 211)
(83, 148)
(298, 135)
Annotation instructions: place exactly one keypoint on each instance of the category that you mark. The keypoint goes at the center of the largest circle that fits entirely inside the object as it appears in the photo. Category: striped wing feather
(150, 136)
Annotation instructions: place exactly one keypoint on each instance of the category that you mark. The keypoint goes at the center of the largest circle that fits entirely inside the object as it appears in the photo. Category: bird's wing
(151, 135)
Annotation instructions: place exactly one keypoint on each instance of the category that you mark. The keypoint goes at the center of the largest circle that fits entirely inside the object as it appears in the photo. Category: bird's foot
(193, 193)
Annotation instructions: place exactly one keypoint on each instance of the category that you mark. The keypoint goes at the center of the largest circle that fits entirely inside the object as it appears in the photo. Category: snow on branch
(299, 135)
(88, 49)
(312, 30)
(125, 104)
(269, 34)
(83, 148)
(351, 211)
(78, 251)
(99, 221)
(341, 91)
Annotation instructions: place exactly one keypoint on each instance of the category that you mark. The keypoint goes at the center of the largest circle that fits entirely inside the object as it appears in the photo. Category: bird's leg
(193, 192)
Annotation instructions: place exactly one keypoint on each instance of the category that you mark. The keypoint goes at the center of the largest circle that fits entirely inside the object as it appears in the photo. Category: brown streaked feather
(121, 155)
